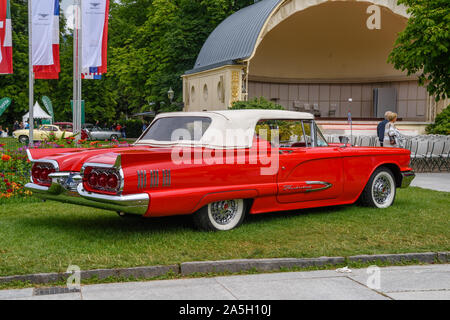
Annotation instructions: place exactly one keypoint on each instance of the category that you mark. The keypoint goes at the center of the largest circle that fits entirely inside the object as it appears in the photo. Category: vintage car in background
(220, 166)
(68, 126)
(97, 133)
(41, 134)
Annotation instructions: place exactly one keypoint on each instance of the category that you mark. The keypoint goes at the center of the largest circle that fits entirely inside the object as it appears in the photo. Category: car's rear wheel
(114, 137)
(23, 139)
(380, 191)
(221, 215)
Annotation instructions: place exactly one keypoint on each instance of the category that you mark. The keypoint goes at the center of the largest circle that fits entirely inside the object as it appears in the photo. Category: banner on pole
(48, 105)
(94, 18)
(83, 114)
(45, 42)
(6, 57)
(4, 104)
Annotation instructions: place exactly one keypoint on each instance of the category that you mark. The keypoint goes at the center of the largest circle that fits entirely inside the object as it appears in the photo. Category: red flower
(6, 157)
(9, 191)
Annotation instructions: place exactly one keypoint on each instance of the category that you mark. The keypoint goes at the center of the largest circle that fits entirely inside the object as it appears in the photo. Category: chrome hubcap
(381, 190)
(224, 211)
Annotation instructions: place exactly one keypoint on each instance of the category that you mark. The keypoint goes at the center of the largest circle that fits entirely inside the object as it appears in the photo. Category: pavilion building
(327, 57)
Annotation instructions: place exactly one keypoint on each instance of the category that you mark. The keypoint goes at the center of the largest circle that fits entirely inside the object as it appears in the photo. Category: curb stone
(258, 264)
(234, 266)
(140, 272)
(428, 257)
(444, 256)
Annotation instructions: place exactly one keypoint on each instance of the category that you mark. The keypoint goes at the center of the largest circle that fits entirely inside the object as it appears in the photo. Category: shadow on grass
(110, 223)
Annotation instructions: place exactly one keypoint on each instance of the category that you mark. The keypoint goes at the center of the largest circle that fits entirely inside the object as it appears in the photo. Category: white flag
(42, 31)
(93, 22)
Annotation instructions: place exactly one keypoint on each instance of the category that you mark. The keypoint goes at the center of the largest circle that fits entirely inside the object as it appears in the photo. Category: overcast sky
(66, 7)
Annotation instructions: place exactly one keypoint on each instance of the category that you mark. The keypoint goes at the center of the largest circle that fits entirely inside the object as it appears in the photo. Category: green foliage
(151, 43)
(423, 47)
(133, 128)
(256, 103)
(442, 123)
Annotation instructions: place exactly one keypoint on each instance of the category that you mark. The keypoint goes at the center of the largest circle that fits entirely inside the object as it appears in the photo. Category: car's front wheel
(221, 215)
(380, 191)
(114, 137)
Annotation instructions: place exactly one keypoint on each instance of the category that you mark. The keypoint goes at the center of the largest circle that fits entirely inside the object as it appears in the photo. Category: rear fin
(36, 154)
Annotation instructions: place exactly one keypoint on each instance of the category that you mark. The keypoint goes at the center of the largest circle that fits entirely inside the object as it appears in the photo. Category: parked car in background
(41, 134)
(220, 166)
(97, 133)
(68, 126)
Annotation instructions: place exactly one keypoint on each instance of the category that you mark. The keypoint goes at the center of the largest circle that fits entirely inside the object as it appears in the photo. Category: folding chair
(436, 153)
(419, 158)
(445, 157)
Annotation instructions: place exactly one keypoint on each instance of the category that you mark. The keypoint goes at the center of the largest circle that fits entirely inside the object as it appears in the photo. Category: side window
(285, 133)
(45, 128)
(290, 133)
(319, 138)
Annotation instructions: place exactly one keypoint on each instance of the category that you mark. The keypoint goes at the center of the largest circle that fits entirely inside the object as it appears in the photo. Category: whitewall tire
(221, 215)
(381, 189)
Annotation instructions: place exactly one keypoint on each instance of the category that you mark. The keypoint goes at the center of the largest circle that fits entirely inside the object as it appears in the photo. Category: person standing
(382, 127)
(392, 136)
(16, 125)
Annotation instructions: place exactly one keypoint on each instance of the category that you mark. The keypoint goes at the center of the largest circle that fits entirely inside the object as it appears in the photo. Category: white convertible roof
(229, 128)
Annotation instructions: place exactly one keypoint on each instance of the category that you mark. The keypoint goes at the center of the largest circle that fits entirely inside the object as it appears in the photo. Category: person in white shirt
(392, 136)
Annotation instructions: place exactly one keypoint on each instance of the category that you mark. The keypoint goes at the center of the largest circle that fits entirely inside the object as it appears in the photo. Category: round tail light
(93, 179)
(103, 180)
(113, 181)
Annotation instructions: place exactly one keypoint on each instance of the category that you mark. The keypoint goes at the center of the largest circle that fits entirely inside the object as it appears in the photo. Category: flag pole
(77, 70)
(30, 76)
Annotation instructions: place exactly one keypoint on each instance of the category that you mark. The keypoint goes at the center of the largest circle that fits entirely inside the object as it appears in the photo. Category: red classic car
(219, 166)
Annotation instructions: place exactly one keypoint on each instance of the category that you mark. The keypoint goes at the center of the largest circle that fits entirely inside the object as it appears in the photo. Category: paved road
(411, 282)
(433, 181)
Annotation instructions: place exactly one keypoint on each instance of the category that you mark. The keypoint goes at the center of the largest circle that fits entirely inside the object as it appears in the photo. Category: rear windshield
(178, 128)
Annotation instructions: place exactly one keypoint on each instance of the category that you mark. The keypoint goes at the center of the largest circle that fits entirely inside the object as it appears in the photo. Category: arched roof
(236, 37)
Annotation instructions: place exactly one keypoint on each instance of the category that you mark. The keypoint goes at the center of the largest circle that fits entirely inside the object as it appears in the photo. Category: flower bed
(15, 166)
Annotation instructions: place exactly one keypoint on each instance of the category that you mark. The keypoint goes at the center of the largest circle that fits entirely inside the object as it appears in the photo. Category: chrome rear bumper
(407, 178)
(132, 204)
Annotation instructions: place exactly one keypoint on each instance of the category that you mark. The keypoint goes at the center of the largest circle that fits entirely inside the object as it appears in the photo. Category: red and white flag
(45, 39)
(95, 14)
(6, 58)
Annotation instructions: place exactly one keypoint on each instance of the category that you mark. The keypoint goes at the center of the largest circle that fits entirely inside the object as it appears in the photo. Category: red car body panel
(192, 186)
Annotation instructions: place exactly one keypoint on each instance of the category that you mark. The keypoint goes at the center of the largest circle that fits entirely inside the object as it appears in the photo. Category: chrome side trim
(407, 178)
(154, 178)
(167, 179)
(326, 185)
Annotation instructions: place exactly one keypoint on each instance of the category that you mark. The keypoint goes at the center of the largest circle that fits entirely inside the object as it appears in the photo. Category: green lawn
(47, 237)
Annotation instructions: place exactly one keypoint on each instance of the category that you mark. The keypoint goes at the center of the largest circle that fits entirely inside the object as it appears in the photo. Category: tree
(256, 103)
(423, 47)
(442, 123)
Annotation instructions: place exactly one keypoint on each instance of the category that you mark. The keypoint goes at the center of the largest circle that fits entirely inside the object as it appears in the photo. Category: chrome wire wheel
(226, 215)
(383, 190)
